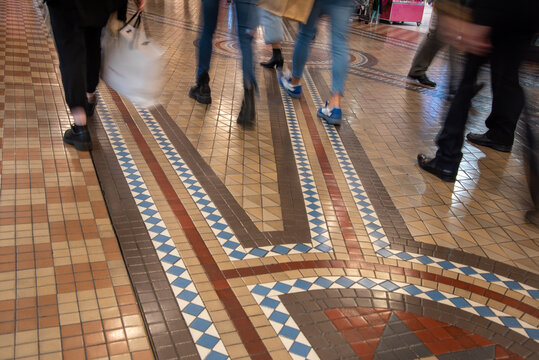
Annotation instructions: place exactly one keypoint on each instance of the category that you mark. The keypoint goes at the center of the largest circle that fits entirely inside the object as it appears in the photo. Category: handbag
(298, 10)
(131, 63)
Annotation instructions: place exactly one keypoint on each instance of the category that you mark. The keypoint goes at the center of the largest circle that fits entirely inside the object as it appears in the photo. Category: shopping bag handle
(137, 15)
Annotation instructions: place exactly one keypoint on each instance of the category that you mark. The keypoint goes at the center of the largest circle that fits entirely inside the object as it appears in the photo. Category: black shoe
(423, 79)
(90, 109)
(483, 140)
(79, 137)
(247, 114)
(429, 165)
(201, 91)
(276, 60)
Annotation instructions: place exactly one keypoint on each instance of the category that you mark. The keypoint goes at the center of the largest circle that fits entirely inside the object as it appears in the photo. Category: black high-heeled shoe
(276, 60)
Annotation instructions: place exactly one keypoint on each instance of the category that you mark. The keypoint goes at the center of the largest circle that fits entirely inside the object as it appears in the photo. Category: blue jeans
(247, 22)
(339, 11)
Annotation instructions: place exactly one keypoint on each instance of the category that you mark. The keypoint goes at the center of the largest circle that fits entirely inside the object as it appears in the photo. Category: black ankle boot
(201, 91)
(247, 113)
(276, 60)
(79, 137)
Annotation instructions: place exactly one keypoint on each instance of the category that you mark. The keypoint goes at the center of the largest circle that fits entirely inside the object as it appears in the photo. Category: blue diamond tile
(320, 238)
(323, 282)
(214, 355)
(484, 311)
(468, 270)
(300, 349)
(176, 270)
(435, 295)
(302, 248)
(270, 303)
(446, 265)
(533, 333)
(281, 250)
(214, 217)
(219, 226)
(510, 321)
(145, 204)
(237, 254)
(187, 295)
(231, 244)
(425, 260)
(323, 248)
(193, 309)
(181, 282)
(152, 220)
(302, 284)
(279, 317)
(490, 277)
(258, 252)
(149, 212)
(513, 285)
(289, 332)
(200, 324)
(367, 283)
(380, 243)
(261, 290)
(412, 290)
(170, 259)
(282, 287)
(161, 238)
(534, 294)
(460, 302)
(157, 229)
(404, 256)
(165, 248)
(345, 282)
(208, 341)
(389, 286)
(384, 253)
(225, 235)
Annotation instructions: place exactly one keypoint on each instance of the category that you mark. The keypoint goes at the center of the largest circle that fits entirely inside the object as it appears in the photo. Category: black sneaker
(79, 137)
(201, 91)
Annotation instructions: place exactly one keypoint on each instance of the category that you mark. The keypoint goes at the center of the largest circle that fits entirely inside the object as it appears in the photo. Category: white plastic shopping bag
(132, 64)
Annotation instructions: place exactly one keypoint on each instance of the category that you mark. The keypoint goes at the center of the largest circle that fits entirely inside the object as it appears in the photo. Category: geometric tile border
(196, 316)
(267, 296)
(221, 229)
(376, 234)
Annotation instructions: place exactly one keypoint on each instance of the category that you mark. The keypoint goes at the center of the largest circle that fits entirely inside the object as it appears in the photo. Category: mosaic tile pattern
(267, 296)
(221, 229)
(193, 309)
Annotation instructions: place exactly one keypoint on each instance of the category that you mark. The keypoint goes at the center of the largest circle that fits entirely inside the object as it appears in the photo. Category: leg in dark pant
(451, 137)
(70, 44)
(507, 94)
(210, 12)
(425, 54)
(92, 37)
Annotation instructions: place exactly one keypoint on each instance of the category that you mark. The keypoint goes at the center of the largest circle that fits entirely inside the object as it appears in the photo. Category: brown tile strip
(168, 331)
(307, 309)
(245, 328)
(391, 220)
(296, 226)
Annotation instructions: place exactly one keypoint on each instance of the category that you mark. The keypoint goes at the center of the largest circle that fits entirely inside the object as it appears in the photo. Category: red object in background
(402, 10)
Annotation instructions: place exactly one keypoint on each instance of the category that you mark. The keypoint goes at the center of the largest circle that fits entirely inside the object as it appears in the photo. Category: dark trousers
(507, 100)
(79, 52)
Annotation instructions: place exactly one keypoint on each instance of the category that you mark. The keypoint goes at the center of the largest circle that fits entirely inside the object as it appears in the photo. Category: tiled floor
(182, 235)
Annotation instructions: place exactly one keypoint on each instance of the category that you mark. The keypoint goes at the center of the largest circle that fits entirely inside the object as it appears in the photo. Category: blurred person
(504, 34)
(76, 27)
(339, 12)
(272, 26)
(246, 21)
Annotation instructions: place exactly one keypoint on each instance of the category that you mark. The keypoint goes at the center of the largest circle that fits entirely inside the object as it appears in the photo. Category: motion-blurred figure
(504, 31)
(247, 20)
(339, 12)
(76, 27)
(272, 26)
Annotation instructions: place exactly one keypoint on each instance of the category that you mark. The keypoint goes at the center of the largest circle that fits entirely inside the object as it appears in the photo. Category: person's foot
(79, 137)
(201, 92)
(247, 114)
(423, 80)
(276, 60)
(483, 140)
(285, 80)
(429, 164)
(332, 115)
